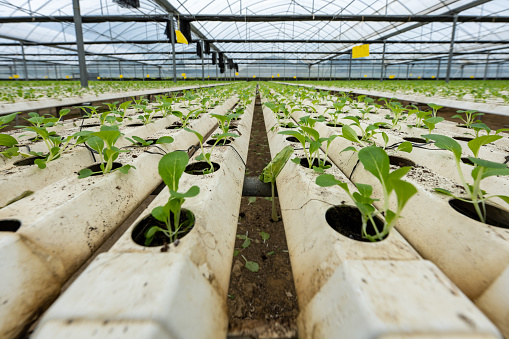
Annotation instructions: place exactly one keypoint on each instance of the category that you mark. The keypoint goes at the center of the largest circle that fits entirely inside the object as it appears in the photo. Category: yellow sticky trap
(365, 75)
(254, 76)
(10, 77)
(278, 75)
(236, 73)
(120, 76)
(392, 76)
(148, 75)
(46, 77)
(185, 78)
(360, 51)
(16, 76)
(295, 77)
(181, 39)
(410, 74)
(184, 75)
(432, 77)
(418, 77)
(273, 77)
(67, 77)
(98, 78)
(471, 77)
(208, 76)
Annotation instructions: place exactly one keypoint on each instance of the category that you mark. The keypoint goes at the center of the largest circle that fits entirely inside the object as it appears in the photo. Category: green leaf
(236, 252)
(327, 180)
(404, 191)
(125, 169)
(444, 191)
(252, 266)
(161, 213)
(399, 173)
(198, 135)
(445, 143)
(299, 136)
(265, 236)
(165, 140)
(192, 192)
(349, 148)
(7, 140)
(95, 143)
(251, 200)
(246, 243)
(349, 133)
(488, 164)
(475, 144)
(311, 131)
(405, 147)
(271, 253)
(41, 163)
(84, 173)
(503, 197)
(4, 120)
(171, 167)
(376, 161)
(296, 161)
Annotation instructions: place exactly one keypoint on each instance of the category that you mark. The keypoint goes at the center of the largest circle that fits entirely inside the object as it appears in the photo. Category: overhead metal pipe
(258, 18)
(172, 35)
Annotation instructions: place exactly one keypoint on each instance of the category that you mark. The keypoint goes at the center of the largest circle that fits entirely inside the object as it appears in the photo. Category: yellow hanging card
(184, 75)
(392, 76)
(278, 75)
(360, 51)
(236, 73)
(181, 39)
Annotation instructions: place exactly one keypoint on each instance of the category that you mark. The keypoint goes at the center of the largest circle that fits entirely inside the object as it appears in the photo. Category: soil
(261, 304)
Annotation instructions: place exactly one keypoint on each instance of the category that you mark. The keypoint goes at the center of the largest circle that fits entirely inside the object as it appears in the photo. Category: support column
(407, 71)
(143, 72)
(160, 76)
(217, 79)
(309, 72)
(486, 67)
(383, 61)
(497, 75)
(451, 48)
(56, 73)
(79, 43)
(202, 61)
(350, 68)
(119, 68)
(438, 68)
(25, 68)
(462, 68)
(330, 77)
(172, 35)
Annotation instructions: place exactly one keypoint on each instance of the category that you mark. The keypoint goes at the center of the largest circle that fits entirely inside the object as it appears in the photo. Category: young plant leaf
(252, 266)
(251, 200)
(265, 236)
(84, 173)
(445, 143)
(171, 167)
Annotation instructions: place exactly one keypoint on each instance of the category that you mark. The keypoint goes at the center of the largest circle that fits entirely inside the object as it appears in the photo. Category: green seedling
(469, 119)
(397, 110)
(137, 141)
(206, 155)
(338, 109)
(435, 109)
(247, 240)
(224, 121)
(367, 134)
(431, 123)
(7, 140)
(251, 265)
(171, 167)
(265, 236)
(376, 161)
(124, 107)
(272, 170)
(482, 169)
(251, 200)
(90, 111)
(103, 142)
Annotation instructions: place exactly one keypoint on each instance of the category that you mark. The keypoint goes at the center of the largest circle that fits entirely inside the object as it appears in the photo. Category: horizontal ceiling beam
(258, 18)
(238, 41)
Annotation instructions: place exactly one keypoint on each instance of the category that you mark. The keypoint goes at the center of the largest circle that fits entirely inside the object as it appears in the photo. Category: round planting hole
(197, 168)
(347, 220)
(417, 140)
(222, 142)
(305, 163)
(28, 161)
(331, 124)
(97, 168)
(467, 161)
(175, 126)
(91, 125)
(160, 239)
(231, 127)
(136, 124)
(9, 225)
(401, 162)
(494, 216)
(384, 127)
(292, 139)
(463, 138)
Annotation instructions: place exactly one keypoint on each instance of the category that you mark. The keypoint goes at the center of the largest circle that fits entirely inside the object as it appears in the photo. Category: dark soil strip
(261, 304)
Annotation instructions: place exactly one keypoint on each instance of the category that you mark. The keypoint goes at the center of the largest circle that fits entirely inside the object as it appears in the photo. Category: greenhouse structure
(254, 169)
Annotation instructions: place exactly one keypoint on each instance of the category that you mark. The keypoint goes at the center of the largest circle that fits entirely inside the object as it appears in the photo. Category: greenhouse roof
(248, 30)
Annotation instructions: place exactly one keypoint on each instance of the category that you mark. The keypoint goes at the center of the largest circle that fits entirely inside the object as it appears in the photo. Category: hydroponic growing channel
(254, 169)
